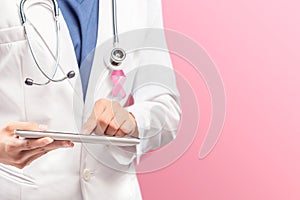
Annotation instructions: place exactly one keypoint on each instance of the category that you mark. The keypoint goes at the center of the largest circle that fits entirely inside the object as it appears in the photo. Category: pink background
(256, 46)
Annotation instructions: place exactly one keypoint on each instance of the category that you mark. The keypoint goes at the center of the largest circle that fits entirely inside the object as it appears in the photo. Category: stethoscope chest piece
(117, 56)
(115, 59)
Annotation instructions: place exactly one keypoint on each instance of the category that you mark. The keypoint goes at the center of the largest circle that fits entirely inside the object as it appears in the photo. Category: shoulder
(144, 13)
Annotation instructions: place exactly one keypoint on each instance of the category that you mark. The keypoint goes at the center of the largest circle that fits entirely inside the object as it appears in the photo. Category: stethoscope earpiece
(71, 74)
(30, 82)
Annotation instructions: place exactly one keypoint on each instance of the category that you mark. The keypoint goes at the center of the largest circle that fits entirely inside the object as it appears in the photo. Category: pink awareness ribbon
(118, 78)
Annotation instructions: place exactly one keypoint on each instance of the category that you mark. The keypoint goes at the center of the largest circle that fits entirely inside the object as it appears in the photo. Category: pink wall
(256, 46)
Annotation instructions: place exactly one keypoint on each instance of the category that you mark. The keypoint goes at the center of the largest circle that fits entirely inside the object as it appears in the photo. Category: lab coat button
(86, 174)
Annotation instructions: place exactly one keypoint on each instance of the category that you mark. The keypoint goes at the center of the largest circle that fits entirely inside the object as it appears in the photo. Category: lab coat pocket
(12, 35)
(12, 180)
(16, 176)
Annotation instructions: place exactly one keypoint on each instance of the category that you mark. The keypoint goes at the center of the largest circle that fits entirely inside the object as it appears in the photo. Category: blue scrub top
(81, 17)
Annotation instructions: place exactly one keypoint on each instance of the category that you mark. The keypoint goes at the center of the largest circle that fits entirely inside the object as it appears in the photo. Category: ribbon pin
(118, 78)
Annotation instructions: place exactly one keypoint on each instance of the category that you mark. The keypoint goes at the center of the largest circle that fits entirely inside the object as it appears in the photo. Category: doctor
(45, 169)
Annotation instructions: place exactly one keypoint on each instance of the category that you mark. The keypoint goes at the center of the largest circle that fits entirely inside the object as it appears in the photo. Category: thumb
(90, 125)
(29, 126)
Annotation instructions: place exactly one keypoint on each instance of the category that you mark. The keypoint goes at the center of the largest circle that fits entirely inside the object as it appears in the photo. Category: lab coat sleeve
(156, 105)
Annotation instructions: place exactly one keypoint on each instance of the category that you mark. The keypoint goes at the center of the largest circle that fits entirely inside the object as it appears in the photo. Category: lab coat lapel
(68, 59)
(99, 79)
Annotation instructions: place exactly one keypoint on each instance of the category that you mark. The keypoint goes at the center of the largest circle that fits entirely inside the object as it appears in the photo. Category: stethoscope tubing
(115, 23)
(117, 55)
(57, 54)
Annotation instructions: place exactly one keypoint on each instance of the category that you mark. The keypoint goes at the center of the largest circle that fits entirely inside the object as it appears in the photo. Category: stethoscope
(117, 55)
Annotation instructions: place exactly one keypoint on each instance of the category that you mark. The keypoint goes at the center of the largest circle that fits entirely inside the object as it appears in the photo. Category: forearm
(157, 121)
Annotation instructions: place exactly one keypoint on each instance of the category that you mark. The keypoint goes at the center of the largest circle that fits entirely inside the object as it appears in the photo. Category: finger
(25, 155)
(128, 127)
(59, 144)
(116, 123)
(25, 126)
(28, 144)
(113, 127)
(89, 125)
(100, 106)
(103, 121)
(120, 133)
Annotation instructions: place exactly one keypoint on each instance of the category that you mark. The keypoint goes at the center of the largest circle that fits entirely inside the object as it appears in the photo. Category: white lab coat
(86, 171)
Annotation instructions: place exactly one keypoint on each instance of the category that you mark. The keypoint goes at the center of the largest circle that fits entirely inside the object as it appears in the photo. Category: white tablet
(95, 139)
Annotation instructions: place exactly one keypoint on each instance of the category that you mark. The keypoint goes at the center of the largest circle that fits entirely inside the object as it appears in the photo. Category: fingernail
(70, 144)
(43, 127)
(85, 131)
(48, 140)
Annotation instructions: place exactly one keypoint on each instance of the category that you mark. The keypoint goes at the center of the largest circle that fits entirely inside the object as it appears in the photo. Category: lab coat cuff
(142, 121)
(126, 155)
